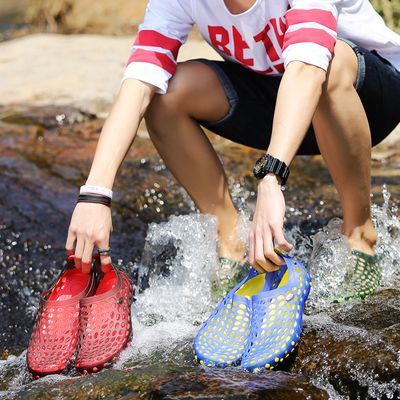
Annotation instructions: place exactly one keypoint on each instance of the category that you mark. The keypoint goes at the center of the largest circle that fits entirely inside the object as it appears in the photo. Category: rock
(387, 148)
(382, 155)
(393, 139)
(356, 347)
(110, 16)
(196, 385)
(235, 385)
(77, 16)
(87, 78)
(46, 153)
(108, 384)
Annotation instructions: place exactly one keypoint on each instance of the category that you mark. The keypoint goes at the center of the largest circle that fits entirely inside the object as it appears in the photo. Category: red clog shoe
(105, 320)
(55, 335)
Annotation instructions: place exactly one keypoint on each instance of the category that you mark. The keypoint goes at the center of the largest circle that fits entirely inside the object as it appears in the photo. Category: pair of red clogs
(83, 320)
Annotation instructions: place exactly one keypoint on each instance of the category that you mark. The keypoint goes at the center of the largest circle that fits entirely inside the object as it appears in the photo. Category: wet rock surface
(356, 347)
(211, 385)
(351, 350)
(236, 385)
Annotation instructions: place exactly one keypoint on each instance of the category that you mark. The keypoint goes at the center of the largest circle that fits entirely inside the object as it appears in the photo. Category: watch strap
(267, 164)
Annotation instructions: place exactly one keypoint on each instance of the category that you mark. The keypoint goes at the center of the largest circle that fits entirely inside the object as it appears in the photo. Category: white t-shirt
(265, 38)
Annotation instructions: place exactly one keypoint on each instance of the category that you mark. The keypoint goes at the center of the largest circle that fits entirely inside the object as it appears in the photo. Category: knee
(181, 89)
(342, 71)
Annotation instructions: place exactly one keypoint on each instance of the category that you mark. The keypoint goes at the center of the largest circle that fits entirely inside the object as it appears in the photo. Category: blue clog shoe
(276, 321)
(224, 336)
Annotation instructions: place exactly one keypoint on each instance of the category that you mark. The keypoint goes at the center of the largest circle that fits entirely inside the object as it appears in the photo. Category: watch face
(267, 164)
(258, 166)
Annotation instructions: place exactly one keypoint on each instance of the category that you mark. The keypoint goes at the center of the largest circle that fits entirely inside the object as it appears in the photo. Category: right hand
(267, 227)
(90, 227)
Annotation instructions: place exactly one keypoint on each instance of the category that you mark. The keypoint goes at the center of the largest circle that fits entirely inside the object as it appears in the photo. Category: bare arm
(91, 223)
(298, 97)
(119, 131)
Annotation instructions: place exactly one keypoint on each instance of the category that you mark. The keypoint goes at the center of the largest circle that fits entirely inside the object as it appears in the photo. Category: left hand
(267, 226)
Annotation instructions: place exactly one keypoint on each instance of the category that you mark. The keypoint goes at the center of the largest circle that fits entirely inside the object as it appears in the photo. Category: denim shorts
(252, 99)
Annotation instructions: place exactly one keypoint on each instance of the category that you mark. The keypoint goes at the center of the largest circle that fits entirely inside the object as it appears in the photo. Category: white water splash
(179, 295)
(328, 262)
(387, 222)
(169, 310)
(330, 258)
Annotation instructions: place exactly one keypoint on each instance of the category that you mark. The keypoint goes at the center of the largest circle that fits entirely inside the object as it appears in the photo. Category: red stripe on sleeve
(153, 38)
(323, 17)
(309, 35)
(152, 57)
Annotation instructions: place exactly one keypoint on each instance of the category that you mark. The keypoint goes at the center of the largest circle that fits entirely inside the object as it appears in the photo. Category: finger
(80, 245)
(69, 244)
(270, 254)
(268, 266)
(251, 249)
(281, 241)
(258, 268)
(104, 244)
(260, 259)
(252, 259)
(70, 252)
(87, 257)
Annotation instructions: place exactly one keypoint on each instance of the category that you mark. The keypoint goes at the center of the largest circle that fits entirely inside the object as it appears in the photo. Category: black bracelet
(94, 198)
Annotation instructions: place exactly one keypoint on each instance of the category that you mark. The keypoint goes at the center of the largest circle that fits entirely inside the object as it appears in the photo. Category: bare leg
(344, 138)
(195, 93)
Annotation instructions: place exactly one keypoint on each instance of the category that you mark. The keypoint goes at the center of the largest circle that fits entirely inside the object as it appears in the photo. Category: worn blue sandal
(224, 336)
(277, 314)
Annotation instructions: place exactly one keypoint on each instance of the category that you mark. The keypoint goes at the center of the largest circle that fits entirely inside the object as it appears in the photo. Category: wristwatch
(267, 164)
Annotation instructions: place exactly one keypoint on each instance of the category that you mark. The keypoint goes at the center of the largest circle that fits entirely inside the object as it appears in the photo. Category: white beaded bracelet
(94, 189)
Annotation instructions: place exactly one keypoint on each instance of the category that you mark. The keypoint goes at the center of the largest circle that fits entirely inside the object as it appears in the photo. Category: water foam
(330, 257)
(387, 221)
(178, 263)
(179, 296)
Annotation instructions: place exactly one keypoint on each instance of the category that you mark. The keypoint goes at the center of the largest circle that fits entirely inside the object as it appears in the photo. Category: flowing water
(349, 351)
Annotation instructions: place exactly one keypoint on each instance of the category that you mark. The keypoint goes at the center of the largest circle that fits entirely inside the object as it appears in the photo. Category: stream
(349, 351)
